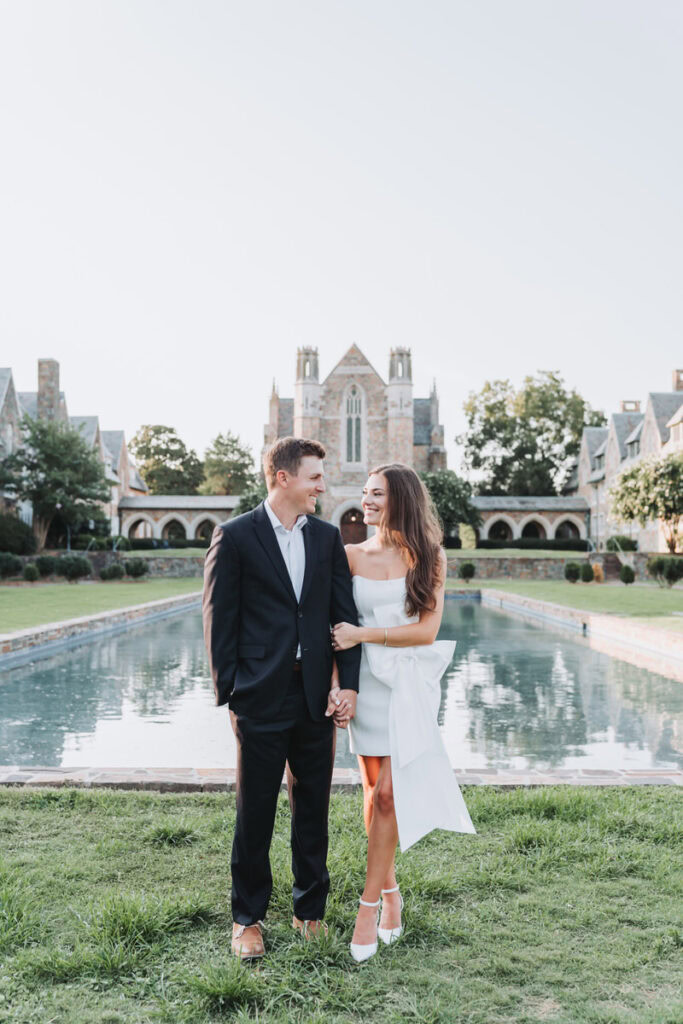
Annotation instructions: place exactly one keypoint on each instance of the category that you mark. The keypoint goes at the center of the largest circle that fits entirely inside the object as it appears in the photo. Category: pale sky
(189, 190)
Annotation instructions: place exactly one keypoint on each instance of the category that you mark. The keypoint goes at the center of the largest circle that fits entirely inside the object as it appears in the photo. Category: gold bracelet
(385, 637)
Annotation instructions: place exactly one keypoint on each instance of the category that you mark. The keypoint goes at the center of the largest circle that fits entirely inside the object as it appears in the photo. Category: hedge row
(535, 544)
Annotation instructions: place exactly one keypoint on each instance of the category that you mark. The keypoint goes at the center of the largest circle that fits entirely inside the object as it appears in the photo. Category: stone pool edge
(25, 645)
(218, 780)
(657, 650)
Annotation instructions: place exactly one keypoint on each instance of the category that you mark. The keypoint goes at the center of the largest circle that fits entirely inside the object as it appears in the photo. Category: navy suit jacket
(253, 623)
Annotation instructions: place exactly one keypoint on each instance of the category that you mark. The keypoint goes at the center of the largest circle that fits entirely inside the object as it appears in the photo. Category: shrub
(136, 567)
(598, 573)
(452, 542)
(122, 543)
(30, 572)
(147, 543)
(114, 572)
(73, 567)
(46, 564)
(535, 544)
(16, 537)
(666, 569)
(620, 540)
(466, 571)
(587, 572)
(572, 571)
(626, 574)
(10, 565)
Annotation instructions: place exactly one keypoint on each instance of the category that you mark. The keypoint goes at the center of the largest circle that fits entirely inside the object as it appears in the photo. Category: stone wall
(487, 568)
(532, 568)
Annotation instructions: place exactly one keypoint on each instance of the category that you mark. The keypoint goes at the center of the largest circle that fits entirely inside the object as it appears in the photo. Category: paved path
(207, 780)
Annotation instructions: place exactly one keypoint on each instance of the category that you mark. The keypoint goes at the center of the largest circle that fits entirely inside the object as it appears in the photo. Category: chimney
(678, 380)
(48, 389)
(629, 406)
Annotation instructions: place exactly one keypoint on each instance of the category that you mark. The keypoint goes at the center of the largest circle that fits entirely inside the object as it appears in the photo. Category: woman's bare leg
(382, 840)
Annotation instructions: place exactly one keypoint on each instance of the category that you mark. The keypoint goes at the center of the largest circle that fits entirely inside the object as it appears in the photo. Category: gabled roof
(422, 421)
(354, 357)
(135, 480)
(28, 403)
(601, 449)
(636, 432)
(87, 425)
(677, 417)
(664, 405)
(624, 423)
(5, 378)
(113, 442)
(594, 437)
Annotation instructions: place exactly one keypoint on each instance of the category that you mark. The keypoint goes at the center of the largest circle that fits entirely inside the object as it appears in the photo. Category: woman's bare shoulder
(354, 552)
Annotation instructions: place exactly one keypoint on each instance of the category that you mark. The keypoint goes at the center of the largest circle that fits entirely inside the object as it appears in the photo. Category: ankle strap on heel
(385, 891)
(365, 903)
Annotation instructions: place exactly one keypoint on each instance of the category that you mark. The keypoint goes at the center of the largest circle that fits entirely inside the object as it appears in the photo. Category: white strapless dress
(396, 716)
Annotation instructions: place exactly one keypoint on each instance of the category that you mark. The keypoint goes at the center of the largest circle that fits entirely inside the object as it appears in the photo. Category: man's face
(306, 487)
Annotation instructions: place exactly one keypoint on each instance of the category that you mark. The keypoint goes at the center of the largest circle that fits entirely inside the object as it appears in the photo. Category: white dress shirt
(293, 550)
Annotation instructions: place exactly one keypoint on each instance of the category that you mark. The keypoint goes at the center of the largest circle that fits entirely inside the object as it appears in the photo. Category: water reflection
(515, 695)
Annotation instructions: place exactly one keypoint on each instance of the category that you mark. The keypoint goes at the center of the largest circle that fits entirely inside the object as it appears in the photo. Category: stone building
(630, 435)
(362, 420)
(49, 403)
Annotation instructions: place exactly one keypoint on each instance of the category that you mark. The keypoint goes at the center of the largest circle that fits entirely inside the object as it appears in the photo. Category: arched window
(354, 413)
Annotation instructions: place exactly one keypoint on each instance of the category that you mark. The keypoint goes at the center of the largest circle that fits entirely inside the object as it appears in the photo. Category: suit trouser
(264, 746)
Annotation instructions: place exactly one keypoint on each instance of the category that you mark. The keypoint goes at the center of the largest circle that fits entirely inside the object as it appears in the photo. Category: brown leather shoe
(309, 929)
(247, 941)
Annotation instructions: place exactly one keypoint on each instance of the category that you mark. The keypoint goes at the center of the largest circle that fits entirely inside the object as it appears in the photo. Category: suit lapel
(268, 540)
(311, 548)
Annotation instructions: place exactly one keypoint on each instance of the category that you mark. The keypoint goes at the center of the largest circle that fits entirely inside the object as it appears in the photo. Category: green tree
(451, 496)
(228, 466)
(525, 441)
(166, 464)
(252, 497)
(652, 489)
(58, 472)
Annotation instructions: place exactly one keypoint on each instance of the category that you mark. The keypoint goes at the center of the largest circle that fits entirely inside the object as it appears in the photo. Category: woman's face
(375, 499)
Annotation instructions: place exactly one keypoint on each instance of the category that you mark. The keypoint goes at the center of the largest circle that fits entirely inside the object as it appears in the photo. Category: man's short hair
(287, 453)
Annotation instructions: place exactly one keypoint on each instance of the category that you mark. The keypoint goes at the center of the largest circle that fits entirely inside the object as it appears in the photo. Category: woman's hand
(344, 635)
(341, 705)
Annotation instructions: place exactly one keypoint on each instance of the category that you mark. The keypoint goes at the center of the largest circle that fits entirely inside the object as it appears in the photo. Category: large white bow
(413, 675)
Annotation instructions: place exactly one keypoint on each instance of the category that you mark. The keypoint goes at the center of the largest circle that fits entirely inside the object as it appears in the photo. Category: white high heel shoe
(389, 935)
(364, 952)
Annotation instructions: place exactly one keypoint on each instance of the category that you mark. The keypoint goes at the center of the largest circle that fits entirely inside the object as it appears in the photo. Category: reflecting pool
(516, 695)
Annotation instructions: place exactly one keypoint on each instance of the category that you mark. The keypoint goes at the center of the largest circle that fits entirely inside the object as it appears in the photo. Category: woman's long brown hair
(410, 521)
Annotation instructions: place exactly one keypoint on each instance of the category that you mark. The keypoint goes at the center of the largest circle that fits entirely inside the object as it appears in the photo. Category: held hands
(344, 635)
(341, 704)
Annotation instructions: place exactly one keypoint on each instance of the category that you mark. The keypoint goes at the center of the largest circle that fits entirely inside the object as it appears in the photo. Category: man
(275, 580)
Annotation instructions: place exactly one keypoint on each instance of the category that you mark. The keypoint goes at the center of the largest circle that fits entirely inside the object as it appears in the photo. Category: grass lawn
(168, 553)
(564, 908)
(646, 601)
(38, 603)
(472, 554)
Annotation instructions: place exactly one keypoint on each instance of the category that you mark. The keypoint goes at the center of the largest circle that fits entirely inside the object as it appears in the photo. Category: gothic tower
(307, 394)
(400, 407)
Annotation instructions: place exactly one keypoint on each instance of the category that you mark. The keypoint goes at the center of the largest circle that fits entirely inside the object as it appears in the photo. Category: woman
(408, 785)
